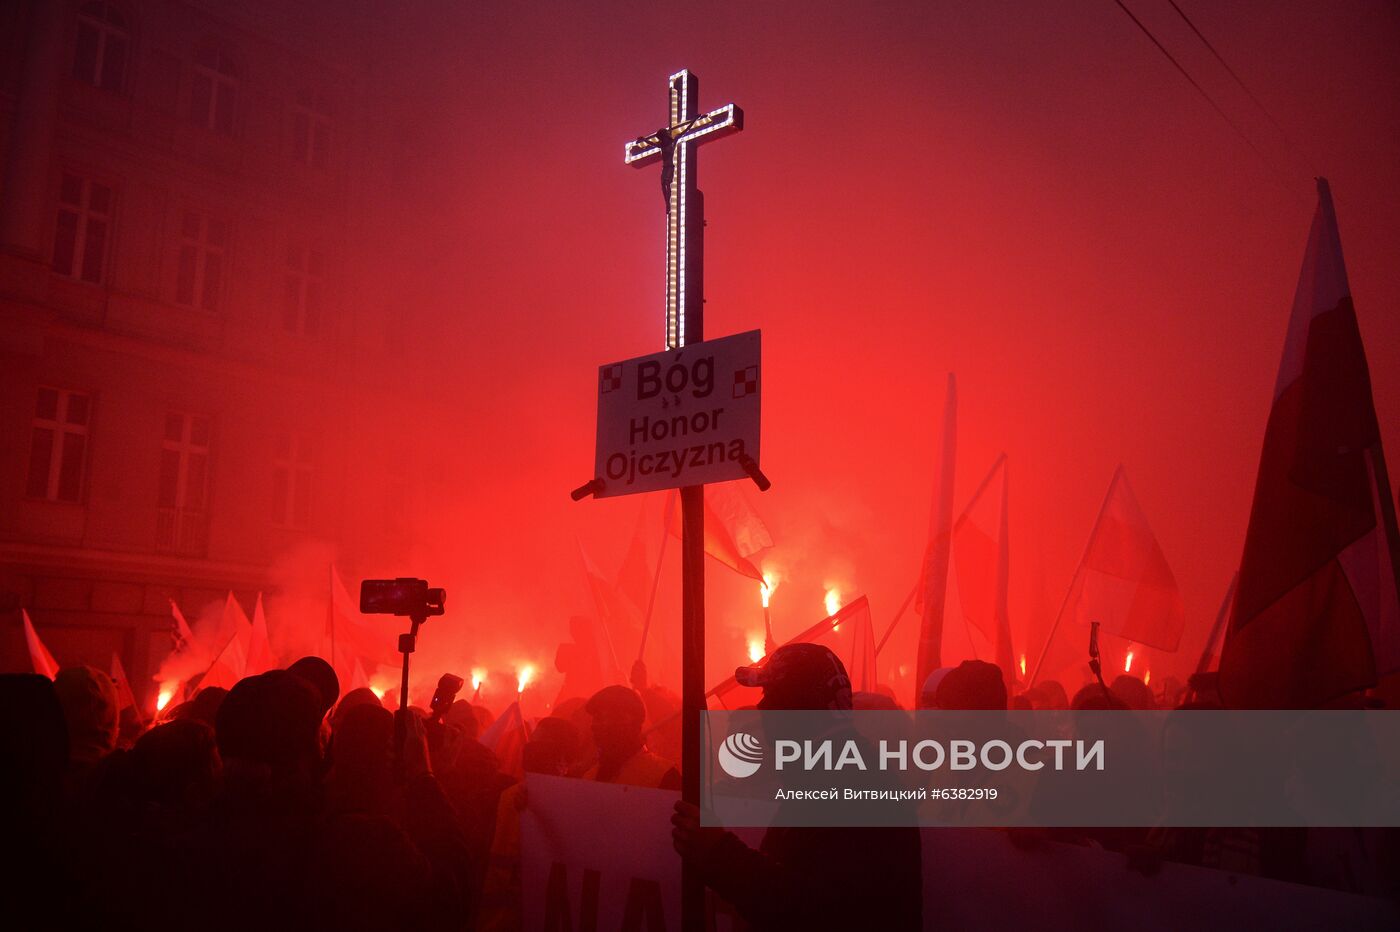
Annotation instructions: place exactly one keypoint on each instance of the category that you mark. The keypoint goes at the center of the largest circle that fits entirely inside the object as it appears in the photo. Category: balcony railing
(182, 532)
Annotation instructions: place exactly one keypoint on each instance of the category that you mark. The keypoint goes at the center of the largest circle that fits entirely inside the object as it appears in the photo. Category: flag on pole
(727, 503)
(725, 528)
(634, 578)
(260, 656)
(181, 637)
(981, 555)
(1123, 582)
(238, 630)
(125, 698)
(358, 679)
(506, 738)
(39, 657)
(346, 638)
(1210, 654)
(227, 668)
(850, 634)
(1316, 615)
(933, 572)
(610, 609)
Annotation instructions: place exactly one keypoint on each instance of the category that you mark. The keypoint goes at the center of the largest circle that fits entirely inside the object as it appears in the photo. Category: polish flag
(981, 560)
(634, 578)
(182, 638)
(260, 657)
(849, 632)
(506, 738)
(1124, 583)
(236, 632)
(39, 656)
(347, 637)
(733, 530)
(1316, 615)
(227, 668)
(125, 698)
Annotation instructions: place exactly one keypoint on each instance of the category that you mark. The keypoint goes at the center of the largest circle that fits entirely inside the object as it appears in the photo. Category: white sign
(599, 856)
(678, 418)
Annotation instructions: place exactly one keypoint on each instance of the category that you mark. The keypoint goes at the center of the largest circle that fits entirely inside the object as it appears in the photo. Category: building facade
(203, 363)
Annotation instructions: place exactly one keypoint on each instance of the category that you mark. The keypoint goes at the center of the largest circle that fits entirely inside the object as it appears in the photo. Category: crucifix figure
(675, 146)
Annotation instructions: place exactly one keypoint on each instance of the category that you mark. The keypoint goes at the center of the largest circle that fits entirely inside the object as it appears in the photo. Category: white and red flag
(181, 637)
(39, 657)
(733, 530)
(260, 656)
(981, 562)
(125, 697)
(849, 632)
(1316, 615)
(227, 667)
(347, 637)
(1123, 582)
(506, 738)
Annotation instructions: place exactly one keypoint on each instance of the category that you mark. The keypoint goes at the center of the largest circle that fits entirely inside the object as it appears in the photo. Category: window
(99, 57)
(58, 445)
(294, 468)
(311, 130)
(183, 522)
(80, 236)
(215, 91)
(203, 252)
(301, 292)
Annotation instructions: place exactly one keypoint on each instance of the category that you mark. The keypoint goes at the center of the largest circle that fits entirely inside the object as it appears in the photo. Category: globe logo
(740, 755)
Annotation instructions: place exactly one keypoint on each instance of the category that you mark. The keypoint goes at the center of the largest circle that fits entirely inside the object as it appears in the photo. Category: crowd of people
(281, 803)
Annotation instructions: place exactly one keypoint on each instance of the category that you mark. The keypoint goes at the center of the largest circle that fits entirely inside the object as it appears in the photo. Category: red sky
(1028, 195)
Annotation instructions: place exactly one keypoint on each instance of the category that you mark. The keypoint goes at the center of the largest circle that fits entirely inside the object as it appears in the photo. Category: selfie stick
(408, 642)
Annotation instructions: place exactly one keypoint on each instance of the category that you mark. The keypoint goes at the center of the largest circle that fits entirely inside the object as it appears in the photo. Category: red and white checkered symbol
(610, 380)
(745, 382)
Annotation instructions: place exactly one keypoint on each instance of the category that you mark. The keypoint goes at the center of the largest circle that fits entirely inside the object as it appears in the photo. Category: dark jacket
(822, 878)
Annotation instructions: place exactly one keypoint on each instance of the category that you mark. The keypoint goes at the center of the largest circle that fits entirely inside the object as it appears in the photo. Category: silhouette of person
(618, 713)
(818, 878)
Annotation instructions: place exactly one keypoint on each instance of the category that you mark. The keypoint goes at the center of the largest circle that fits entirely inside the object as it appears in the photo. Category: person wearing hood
(819, 878)
(89, 700)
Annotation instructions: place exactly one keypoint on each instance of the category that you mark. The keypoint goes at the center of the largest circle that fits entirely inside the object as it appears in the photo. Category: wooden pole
(693, 577)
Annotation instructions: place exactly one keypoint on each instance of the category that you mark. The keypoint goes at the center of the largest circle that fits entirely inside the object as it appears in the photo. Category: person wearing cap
(618, 713)
(818, 877)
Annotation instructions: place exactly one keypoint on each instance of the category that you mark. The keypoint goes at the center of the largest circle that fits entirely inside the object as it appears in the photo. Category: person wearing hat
(818, 878)
(618, 713)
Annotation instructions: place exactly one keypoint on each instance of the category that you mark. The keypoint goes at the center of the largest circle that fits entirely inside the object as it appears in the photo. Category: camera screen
(392, 596)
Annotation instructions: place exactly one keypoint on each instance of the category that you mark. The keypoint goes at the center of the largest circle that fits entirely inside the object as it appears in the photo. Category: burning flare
(1023, 665)
(832, 603)
(769, 584)
(523, 677)
(167, 692)
(755, 648)
(478, 677)
(1128, 663)
(1147, 678)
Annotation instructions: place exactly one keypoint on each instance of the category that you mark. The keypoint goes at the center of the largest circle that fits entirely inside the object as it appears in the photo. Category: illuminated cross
(675, 146)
